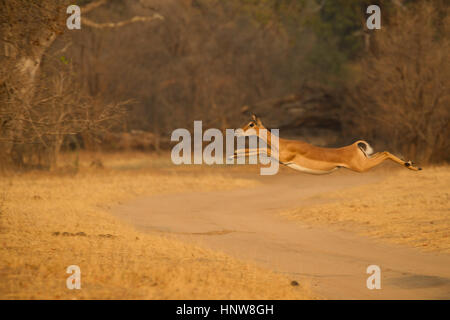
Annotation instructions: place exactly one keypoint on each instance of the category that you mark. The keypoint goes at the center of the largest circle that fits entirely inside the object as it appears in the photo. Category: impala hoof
(410, 166)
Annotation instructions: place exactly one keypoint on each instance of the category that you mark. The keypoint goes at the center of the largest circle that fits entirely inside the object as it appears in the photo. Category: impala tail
(365, 147)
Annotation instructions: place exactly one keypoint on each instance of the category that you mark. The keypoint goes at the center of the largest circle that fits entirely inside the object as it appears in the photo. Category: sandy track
(245, 224)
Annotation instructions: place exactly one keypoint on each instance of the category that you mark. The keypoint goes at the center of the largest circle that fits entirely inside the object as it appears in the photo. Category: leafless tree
(38, 109)
(403, 95)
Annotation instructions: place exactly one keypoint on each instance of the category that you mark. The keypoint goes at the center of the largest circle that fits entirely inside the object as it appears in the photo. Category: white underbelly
(307, 170)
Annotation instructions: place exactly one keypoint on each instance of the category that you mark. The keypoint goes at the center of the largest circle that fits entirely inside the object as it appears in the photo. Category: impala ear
(256, 119)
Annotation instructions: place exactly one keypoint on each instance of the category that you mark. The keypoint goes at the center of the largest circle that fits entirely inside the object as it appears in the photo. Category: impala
(307, 158)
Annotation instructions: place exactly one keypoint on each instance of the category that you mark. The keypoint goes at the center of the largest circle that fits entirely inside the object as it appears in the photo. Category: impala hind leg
(377, 158)
(408, 164)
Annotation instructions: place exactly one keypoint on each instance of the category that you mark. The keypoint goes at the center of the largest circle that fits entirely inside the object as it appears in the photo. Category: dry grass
(50, 221)
(410, 208)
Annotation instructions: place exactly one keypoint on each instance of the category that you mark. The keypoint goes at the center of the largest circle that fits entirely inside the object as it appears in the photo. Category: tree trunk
(24, 84)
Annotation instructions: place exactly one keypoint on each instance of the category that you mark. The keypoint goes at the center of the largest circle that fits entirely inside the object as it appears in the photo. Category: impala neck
(267, 138)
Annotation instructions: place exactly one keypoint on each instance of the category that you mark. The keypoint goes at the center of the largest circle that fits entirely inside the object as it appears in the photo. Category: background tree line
(308, 67)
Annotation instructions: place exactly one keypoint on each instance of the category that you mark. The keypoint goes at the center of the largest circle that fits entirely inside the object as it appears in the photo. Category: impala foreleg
(249, 152)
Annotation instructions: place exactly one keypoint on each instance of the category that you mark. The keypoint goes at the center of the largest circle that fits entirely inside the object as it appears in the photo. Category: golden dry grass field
(49, 221)
(407, 208)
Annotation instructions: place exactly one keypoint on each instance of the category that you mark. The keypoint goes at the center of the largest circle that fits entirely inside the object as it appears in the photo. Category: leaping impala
(307, 158)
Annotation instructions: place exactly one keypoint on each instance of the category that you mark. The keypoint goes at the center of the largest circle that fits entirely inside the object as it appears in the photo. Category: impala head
(251, 128)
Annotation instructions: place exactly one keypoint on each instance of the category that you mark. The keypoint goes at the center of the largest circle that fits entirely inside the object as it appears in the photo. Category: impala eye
(252, 124)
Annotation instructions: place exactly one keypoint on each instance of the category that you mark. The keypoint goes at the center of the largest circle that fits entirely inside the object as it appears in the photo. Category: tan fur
(308, 158)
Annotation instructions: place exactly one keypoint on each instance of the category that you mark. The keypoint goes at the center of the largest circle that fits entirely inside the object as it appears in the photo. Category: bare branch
(91, 6)
(93, 24)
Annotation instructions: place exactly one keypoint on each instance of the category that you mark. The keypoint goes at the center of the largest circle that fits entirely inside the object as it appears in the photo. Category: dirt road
(246, 224)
